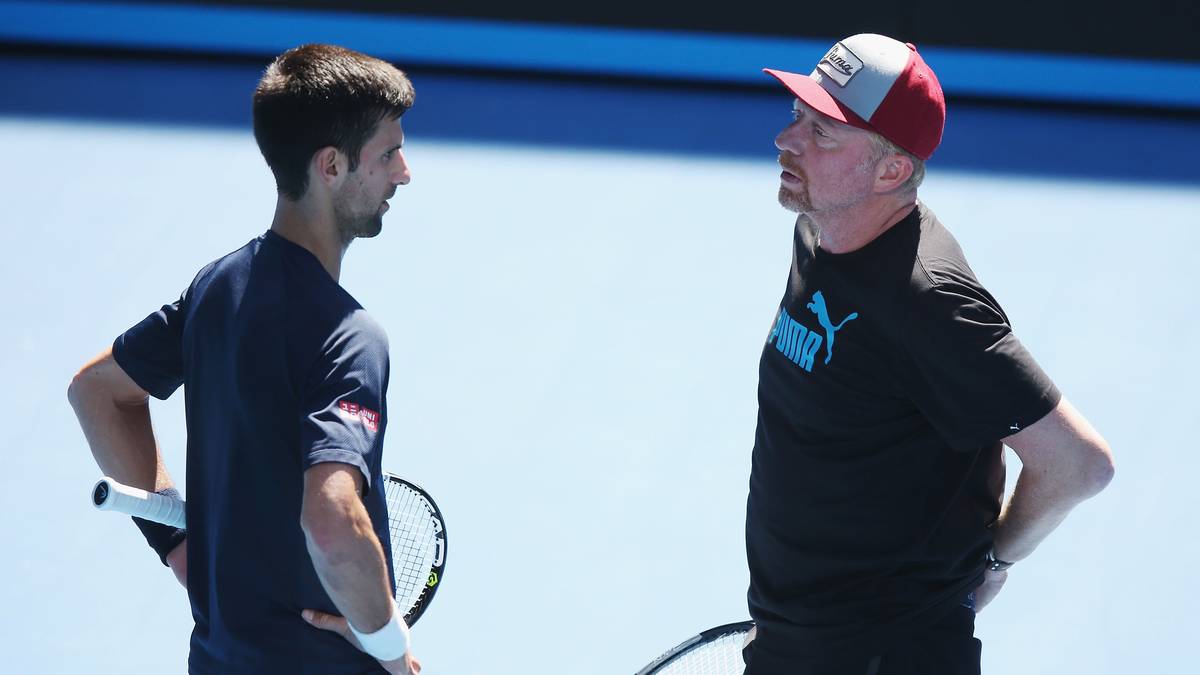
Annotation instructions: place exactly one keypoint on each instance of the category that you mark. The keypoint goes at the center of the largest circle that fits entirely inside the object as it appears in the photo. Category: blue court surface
(577, 285)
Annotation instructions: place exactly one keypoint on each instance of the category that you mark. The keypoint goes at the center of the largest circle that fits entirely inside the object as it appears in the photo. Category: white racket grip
(109, 495)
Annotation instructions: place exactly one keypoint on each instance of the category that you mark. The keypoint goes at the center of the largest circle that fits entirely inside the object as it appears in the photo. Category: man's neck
(850, 229)
(312, 230)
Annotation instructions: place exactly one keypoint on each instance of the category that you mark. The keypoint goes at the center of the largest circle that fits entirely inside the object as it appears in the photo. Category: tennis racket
(418, 532)
(716, 651)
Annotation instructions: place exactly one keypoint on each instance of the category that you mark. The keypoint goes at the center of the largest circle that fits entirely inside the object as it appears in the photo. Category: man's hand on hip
(992, 583)
(405, 665)
(177, 561)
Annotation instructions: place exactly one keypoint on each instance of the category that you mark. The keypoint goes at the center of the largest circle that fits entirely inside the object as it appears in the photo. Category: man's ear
(892, 171)
(328, 166)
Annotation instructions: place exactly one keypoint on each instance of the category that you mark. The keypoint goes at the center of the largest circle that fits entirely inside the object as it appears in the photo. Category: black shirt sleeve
(970, 375)
(343, 404)
(151, 352)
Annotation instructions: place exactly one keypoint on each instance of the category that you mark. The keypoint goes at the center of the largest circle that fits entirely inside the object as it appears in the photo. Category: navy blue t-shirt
(282, 369)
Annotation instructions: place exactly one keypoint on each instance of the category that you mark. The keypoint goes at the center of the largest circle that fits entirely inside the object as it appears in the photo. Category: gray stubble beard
(796, 202)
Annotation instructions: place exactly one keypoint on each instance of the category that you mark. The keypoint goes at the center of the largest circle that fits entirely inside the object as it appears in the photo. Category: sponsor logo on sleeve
(354, 413)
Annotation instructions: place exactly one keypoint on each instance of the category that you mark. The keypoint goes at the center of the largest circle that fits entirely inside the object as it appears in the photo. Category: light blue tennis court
(577, 285)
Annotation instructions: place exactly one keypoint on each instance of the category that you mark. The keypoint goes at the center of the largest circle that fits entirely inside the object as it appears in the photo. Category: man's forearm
(119, 433)
(1064, 461)
(1037, 506)
(349, 561)
(114, 414)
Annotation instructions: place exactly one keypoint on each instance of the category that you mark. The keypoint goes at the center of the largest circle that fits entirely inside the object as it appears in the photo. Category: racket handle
(109, 495)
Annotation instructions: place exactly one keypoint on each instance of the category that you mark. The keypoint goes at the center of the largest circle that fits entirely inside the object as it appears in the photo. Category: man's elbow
(1097, 470)
(332, 514)
(328, 528)
(321, 530)
(81, 385)
(101, 380)
(73, 391)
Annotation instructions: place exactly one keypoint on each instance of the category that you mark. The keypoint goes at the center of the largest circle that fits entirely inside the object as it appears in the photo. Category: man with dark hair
(874, 527)
(287, 528)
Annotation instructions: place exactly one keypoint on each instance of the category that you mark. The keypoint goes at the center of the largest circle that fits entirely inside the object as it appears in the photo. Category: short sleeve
(970, 375)
(343, 406)
(151, 352)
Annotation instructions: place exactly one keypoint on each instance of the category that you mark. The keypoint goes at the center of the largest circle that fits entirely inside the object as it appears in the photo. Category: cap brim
(814, 95)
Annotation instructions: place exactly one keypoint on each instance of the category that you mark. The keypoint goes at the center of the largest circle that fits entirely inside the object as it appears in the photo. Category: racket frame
(696, 640)
(441, 544)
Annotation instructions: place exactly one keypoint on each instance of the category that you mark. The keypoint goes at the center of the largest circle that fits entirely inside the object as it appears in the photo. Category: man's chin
(362, 230)
(790, 201)
(371, 228)
(372, 231)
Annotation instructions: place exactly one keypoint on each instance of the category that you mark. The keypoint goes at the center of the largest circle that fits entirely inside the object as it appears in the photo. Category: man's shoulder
(304, 299)
(943, 287)
(315, 302)
(932, 280)
(235, 264)
(910, 260)
(357, 324)
(338, 326)
(940, 260)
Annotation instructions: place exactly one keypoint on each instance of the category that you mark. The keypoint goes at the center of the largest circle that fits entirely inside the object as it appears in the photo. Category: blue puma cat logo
(800, 344)
(818, 307)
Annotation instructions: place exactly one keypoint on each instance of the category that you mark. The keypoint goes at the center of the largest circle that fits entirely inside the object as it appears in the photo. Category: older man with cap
(889, 384)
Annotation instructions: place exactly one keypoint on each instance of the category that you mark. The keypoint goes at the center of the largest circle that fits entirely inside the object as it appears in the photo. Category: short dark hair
(316, 96)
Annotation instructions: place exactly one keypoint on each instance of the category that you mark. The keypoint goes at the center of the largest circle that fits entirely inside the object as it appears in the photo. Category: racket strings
(410, 520)
(719, 656)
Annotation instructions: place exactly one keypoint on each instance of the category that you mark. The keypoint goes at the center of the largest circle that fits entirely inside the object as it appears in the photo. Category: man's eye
(820, 132)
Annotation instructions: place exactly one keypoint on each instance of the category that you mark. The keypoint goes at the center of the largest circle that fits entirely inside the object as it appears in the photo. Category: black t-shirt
(282, 369)
(886, 383)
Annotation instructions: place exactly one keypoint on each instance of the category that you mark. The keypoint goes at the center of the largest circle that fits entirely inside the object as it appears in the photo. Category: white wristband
(388, 643)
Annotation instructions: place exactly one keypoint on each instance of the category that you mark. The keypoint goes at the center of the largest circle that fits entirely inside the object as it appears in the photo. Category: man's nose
(401, 174)
(789, 140)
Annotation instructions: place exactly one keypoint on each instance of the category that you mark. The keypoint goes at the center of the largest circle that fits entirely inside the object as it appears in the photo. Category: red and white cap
(874, 82)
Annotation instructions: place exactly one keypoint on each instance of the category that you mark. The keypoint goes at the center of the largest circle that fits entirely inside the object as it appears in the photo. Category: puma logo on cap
(840, 64)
